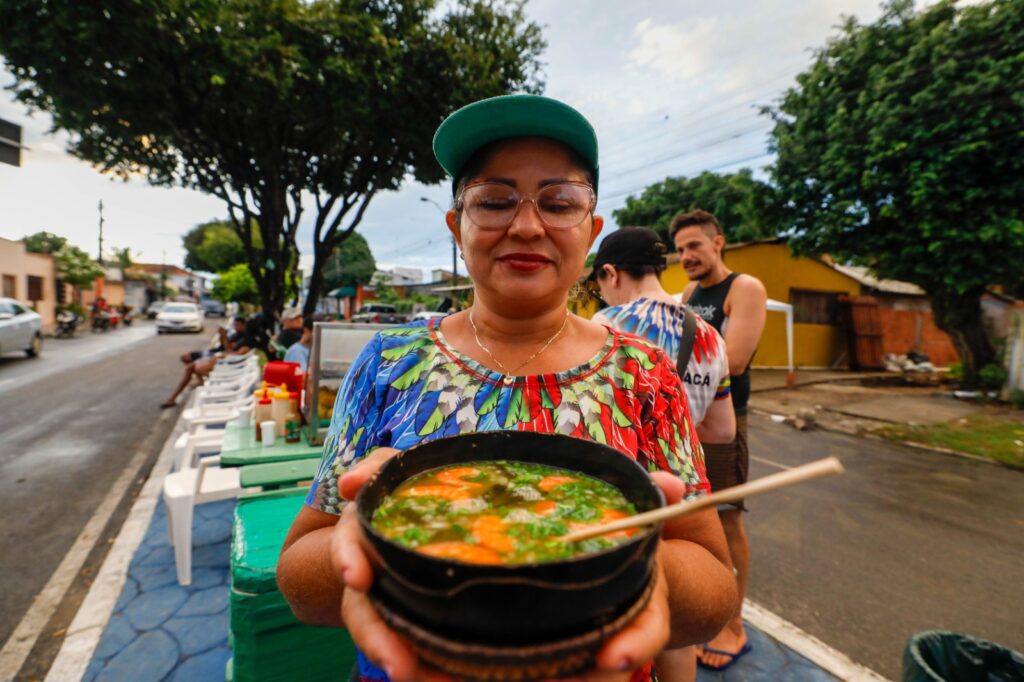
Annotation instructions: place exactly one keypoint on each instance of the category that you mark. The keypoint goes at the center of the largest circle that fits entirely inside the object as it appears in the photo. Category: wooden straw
(828, 466)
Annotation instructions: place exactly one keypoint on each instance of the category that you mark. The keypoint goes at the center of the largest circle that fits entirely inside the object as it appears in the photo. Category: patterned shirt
(409, 385)
(706, 376)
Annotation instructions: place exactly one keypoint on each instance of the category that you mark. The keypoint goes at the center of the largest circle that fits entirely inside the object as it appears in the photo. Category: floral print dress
(409, 385)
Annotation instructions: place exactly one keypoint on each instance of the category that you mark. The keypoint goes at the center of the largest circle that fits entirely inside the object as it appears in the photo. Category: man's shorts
(727, 463)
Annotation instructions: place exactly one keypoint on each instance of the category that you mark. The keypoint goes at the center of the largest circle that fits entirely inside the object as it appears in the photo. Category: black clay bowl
(512, 605)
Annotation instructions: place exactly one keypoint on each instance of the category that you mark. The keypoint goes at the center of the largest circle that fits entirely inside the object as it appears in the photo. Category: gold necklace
(508, 374)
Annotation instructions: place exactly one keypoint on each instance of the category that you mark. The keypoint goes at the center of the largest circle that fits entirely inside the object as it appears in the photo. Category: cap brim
(481, 123)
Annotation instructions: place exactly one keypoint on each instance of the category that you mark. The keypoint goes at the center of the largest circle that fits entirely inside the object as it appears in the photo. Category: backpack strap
(686, 342)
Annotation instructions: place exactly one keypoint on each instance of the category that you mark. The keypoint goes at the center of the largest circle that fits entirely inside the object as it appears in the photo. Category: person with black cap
(524, 174)
(626, 269)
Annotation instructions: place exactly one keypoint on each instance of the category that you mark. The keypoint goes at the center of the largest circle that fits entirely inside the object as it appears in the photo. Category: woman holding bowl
(525, 172)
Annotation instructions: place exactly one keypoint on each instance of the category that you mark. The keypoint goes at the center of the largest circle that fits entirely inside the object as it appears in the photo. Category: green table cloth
(240, 448)
(267, 642)
(278, 473)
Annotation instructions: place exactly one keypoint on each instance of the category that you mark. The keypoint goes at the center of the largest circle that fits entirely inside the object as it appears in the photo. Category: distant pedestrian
(735, 305)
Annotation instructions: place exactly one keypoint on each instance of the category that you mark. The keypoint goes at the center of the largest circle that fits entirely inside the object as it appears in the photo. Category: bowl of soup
(464, 534)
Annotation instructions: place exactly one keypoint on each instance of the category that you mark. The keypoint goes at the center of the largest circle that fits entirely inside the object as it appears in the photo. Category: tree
(236, 284)
(123, 257)
(76, 267)
(44, 242)
(350, 265)
(266, 104)
(902, 148)
(214, 246)
(745, 207)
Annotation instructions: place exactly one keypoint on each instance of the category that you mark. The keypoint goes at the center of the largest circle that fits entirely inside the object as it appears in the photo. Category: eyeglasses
(493, 205)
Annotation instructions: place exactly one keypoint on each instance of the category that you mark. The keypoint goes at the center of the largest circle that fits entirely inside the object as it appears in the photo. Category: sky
(672, 88)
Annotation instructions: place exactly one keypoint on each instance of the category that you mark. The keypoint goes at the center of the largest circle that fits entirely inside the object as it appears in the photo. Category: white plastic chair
(183, 490)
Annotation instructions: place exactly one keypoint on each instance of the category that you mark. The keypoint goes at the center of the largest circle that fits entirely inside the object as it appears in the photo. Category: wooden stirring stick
(828, 466)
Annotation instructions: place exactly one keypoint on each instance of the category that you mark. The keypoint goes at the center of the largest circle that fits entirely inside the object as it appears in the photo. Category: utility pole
(455, 249)
(163, 275)
(99, 259)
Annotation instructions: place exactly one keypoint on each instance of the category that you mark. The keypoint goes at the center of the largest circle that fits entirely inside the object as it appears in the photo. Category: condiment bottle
(293, 428)
(262, 413)
(279, 410)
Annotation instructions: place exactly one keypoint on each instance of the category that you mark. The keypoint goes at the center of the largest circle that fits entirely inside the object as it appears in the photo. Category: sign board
(10, 143)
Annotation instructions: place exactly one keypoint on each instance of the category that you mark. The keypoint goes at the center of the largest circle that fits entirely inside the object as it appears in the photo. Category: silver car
(179, 317)
(21, 328)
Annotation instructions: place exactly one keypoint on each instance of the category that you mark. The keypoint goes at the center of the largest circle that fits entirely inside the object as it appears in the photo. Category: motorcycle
(100, 321)
(67, 323)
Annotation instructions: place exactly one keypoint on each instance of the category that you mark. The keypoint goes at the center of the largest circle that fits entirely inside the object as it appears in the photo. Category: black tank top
(709, 303)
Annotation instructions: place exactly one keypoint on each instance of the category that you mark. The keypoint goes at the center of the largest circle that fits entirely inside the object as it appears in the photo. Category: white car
(21, 328)
(427, 315)
(179, 317)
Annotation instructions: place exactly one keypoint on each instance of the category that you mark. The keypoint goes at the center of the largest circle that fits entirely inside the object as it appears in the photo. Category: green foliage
(901, 148)
(993, 376)
(956, 371)
(123, 257)
(1017, 398)
(350, 265)
(44, 242)
(214, 246)
(76, 267)
(266, 104)
(236, 284)
(745, 207)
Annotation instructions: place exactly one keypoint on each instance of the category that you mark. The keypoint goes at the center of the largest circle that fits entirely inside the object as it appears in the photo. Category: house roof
(864, 276)
(171, 270)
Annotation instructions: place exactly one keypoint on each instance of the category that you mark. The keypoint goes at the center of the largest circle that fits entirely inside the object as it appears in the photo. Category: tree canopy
(745, 207)
(350, 265)
(213, 247)
(269, 106)
(76, 267)
(43, 242)
(236, 284)
(902, 148)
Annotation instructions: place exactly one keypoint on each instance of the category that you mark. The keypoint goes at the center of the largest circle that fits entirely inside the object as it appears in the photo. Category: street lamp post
(455, 252)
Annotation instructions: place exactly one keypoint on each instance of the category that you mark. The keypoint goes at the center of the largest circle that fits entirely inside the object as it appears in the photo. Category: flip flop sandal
(733, 657)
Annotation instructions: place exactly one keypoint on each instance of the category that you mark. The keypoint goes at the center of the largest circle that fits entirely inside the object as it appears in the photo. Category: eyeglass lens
(493, 205)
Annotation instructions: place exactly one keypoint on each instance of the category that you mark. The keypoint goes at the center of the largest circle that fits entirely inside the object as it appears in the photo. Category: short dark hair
(634, 271)
(696, 218)
(309, 320)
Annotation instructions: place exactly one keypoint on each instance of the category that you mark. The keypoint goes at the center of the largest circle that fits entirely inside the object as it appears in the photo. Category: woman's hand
(371, 634)
(644, 638)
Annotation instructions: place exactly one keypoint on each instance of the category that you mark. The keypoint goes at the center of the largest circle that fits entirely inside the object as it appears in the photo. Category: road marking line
(769, 462)
(85, 631)
(32, 624)
(806, 645)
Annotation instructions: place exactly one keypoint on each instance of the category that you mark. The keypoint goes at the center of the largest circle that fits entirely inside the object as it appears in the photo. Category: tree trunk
(321, 252)
(959, 315)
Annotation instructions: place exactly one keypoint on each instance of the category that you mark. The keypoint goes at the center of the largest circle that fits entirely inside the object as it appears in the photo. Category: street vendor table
(240, 448)
(268, 643)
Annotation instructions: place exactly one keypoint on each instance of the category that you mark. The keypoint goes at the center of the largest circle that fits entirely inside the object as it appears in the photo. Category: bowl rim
(636, 541)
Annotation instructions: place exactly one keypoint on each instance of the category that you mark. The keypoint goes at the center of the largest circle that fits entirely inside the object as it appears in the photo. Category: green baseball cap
(478, 124)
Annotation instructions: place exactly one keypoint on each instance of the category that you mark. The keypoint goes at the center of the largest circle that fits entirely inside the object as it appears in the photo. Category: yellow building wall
(814, 345)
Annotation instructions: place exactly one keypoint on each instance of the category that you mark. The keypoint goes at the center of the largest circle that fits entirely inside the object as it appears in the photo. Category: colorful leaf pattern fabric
(706, 375)
(409, 385)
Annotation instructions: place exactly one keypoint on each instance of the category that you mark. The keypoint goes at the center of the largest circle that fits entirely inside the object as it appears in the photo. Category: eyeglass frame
(532, 198)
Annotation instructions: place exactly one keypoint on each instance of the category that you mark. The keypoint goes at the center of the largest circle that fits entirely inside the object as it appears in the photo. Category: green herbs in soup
(501, 512)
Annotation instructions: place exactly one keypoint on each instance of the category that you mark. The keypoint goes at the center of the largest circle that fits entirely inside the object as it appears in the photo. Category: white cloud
(681, 51)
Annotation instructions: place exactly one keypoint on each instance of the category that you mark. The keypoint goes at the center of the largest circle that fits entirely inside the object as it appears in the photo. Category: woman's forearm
(308, 581)
(702, 592)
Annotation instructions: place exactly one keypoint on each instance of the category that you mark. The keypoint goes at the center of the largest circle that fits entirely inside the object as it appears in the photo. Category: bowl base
(490, 663)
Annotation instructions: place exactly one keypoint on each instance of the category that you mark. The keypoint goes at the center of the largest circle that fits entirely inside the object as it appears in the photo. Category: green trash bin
(936, 656)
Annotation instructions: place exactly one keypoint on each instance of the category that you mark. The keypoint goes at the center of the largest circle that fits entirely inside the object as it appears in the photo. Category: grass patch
(997, 435)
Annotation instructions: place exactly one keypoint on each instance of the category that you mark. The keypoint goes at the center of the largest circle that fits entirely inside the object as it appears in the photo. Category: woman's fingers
(381, 644)
(671, 486)
(347, 553)
(641, 640)
(353, 480)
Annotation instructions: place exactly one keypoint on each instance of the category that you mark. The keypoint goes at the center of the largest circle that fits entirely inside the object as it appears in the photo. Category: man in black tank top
(735, 305)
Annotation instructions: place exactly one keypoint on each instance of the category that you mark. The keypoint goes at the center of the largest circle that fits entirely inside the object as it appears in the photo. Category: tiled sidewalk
(160, 631)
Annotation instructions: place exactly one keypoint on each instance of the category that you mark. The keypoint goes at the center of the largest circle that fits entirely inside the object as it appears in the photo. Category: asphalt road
(69, 422)
(907, 540)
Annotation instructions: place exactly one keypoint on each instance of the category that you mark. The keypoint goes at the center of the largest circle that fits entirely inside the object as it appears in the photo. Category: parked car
(427, 315)
(21, 328)
(212, 307)
(154, 309)
(378, 313)
(179, 317)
